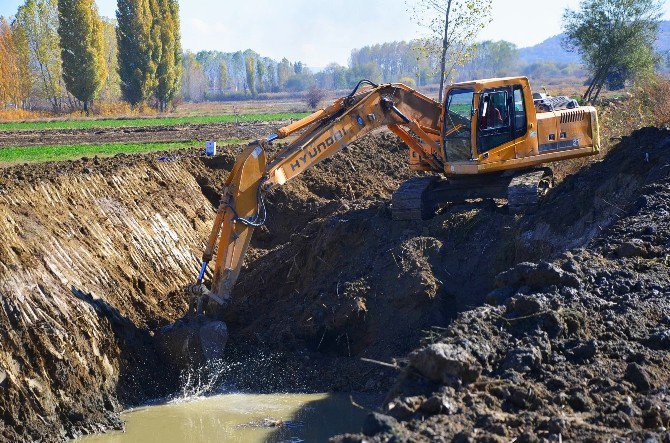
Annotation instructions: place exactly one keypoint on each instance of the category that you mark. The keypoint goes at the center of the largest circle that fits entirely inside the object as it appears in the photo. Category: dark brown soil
(144, 134)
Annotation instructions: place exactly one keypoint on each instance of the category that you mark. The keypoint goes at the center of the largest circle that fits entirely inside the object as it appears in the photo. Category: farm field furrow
(143, 134)
(147, 121)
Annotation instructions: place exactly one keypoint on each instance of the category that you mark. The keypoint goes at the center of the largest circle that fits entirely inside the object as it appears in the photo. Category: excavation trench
(93, 255)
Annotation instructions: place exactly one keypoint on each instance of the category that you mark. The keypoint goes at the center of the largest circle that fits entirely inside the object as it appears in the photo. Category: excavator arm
(414, 117)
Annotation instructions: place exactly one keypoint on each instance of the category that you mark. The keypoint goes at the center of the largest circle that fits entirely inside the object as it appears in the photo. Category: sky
(319, 32)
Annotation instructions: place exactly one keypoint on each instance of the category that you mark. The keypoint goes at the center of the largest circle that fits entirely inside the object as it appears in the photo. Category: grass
(154, 121)
(69, 152)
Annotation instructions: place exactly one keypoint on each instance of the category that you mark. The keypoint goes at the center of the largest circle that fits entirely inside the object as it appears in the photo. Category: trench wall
(87, 263)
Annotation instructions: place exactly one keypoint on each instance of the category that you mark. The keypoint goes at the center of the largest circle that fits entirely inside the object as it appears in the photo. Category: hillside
(552, 48)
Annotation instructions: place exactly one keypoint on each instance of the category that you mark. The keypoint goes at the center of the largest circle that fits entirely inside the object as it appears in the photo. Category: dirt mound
(354, 283)
(574, 347)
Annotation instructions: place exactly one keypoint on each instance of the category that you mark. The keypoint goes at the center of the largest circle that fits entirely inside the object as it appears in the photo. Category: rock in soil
(192, 343)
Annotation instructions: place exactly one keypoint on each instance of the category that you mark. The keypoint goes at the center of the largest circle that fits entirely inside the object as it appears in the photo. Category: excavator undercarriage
(419, 198)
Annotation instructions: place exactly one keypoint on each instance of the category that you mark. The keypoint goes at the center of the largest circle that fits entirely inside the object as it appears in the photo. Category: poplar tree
(284, 71)
(22, 53)
(137, 69)
(8, 83)
(111, 90)
(223, 76)
(168, 64)
(251, 74)
(82, 49)
(271, 76)
(155, 39)
(260, 75)
(38, 20)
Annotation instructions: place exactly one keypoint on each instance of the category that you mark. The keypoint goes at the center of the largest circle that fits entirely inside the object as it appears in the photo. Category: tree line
(63, 54)
(214, 75)
(409, 62)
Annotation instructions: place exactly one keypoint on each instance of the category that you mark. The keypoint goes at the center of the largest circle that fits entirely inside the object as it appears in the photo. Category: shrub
(647, 104)
(12, 114)
(111, 108)
(314, 96)
(655, 96)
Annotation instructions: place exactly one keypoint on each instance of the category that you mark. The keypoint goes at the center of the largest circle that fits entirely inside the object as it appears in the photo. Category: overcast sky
(318, 32)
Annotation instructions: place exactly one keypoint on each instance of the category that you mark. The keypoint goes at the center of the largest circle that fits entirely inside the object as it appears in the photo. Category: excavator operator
(491, 116)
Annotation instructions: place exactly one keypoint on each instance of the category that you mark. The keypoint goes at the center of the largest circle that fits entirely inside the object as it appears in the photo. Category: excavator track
(526, 189)
(419, 198)
(409, 202)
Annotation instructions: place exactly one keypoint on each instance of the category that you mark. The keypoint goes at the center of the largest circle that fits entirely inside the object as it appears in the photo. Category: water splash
(201, 381)
(258, 372)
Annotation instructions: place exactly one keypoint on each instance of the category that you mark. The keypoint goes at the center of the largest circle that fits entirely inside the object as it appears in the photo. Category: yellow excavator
(489, 139)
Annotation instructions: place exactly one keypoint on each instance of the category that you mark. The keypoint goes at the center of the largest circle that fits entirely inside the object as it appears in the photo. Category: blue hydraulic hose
(201, 276)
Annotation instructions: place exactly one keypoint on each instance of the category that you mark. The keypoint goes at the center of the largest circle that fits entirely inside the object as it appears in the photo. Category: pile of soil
(353, 283)
(141, 134)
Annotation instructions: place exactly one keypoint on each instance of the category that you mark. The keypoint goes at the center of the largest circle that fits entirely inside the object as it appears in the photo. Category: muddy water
(241, 418)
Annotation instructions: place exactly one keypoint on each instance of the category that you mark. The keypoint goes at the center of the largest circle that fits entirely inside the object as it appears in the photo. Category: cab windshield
(458, 125)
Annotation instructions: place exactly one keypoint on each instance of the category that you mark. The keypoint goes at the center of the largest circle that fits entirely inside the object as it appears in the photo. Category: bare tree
(454, 26)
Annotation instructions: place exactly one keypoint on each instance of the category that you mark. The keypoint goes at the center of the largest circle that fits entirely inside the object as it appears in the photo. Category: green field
(68, 152)
(157, 121)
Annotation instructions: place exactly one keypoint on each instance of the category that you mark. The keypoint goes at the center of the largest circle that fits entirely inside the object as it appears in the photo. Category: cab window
(493, 108)
(458, 125)
(495, 125)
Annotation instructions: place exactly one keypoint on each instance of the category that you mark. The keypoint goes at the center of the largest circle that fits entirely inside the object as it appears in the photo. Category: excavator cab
(496, 125)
